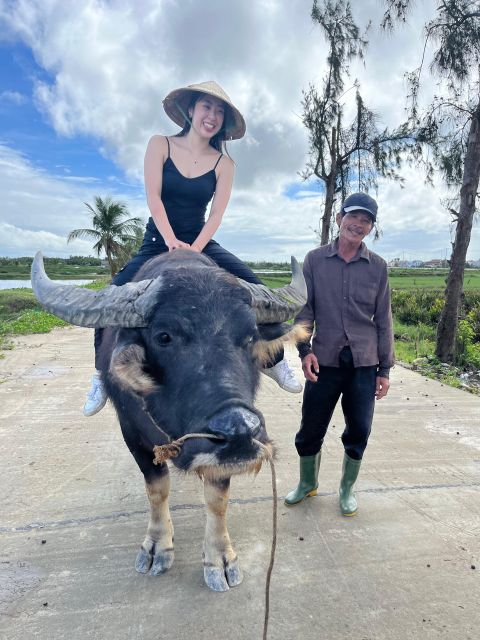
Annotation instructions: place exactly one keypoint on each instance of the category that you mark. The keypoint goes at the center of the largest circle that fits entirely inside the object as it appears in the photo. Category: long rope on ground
(274, 539)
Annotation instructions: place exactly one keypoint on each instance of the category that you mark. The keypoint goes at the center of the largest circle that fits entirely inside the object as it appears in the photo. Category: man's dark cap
(360, 201)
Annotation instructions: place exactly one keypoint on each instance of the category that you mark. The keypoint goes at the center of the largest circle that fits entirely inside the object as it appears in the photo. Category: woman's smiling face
(207, 115)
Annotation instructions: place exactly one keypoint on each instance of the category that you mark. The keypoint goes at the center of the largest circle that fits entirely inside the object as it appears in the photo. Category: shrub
(417, 306)
(468, 349)
(473, 319)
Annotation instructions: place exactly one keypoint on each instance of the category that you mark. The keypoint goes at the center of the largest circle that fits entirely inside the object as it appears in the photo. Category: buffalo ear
(127, 367)
(266, 350)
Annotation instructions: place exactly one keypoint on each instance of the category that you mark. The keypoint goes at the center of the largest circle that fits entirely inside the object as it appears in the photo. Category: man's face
(354, 226)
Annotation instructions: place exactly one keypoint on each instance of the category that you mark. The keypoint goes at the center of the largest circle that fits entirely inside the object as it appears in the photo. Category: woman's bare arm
(225, 173)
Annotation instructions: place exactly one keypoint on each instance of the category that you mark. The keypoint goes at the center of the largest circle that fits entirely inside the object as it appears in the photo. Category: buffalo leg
(156, 553)
(220, 563)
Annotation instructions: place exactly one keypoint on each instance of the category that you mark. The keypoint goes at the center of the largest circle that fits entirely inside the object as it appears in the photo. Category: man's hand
(310, 367)
(381, 387)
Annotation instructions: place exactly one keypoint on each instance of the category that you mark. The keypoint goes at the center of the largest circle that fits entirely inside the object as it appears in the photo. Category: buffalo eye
(248, 340)
(164, 338)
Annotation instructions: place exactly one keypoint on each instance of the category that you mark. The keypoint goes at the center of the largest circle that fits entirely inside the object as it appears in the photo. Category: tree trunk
(326, 219)
(446, 346)
(327, 212)
(111, 262)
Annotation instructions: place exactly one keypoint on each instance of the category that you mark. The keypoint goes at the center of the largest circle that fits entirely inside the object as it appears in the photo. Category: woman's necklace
(194, 159)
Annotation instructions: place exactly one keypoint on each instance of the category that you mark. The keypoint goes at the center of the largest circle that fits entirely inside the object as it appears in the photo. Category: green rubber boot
(309, 466)
(348, 502)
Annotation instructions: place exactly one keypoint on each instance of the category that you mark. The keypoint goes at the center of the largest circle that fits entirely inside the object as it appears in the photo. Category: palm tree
(110, 231)
(131, 245)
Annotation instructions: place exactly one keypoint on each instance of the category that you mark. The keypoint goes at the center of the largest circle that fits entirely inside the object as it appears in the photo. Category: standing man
(352, 349)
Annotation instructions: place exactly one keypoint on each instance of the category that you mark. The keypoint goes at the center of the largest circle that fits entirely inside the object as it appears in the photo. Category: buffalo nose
(235, 422)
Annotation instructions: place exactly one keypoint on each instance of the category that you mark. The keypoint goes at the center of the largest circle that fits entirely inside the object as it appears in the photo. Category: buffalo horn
(126, 306)
(278, 305)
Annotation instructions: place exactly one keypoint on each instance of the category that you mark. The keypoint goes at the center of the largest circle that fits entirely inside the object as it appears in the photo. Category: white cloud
(111, 63)
(19, 242)
(12, 96)
(39, 209)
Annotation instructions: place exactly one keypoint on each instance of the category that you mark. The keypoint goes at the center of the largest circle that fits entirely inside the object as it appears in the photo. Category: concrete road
(74, 511)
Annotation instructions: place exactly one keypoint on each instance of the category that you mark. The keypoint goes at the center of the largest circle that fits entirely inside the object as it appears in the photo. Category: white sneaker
(96, 397)
(284, 377)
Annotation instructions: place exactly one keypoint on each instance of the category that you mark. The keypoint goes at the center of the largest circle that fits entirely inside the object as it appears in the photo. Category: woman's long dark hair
(218, 141)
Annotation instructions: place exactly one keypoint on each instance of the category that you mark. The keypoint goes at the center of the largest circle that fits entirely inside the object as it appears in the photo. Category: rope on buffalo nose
(164, 452)
(171, 450)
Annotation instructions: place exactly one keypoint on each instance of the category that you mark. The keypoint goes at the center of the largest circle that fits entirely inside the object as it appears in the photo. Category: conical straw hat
(177, 102)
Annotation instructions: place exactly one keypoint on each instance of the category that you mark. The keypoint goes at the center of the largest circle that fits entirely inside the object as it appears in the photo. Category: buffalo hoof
(233, 574)
(143, 561)
(219, 579)
(162, 561)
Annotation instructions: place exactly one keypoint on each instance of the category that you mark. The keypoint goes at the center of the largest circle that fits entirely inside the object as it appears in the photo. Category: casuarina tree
(450, 126)
(346, 156)
(111, 230)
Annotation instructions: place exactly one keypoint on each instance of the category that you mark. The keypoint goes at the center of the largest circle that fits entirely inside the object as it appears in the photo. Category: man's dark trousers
(357, 387)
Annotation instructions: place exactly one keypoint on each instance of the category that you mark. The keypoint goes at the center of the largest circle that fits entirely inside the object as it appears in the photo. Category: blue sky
(81, 86)
(25, 128)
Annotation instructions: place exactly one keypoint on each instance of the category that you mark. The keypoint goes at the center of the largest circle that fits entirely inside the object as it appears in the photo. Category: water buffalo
(181, 354)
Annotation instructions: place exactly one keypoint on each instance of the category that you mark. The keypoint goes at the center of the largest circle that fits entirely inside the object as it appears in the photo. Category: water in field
(27, 284)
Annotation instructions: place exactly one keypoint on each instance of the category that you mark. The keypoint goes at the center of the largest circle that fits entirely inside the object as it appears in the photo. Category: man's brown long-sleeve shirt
(349, 304)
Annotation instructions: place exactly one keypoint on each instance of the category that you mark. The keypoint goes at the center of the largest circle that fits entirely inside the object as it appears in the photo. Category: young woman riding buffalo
(195, 170)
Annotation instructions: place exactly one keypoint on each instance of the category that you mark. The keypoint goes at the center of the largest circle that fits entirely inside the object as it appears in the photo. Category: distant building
(405, 264)
(396, 262)
(435, 264)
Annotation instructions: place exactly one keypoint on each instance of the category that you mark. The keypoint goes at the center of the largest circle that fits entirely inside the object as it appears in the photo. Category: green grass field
(430, 279)
(405, 279)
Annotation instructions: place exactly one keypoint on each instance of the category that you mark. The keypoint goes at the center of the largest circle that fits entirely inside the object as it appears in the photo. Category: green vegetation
(21, 314)
(75, 267)
(430, 279)
(413, 341)
(274, 281)
(31, 321)
(75, 260)
(112, 232)
(269, 266)
(416, 314)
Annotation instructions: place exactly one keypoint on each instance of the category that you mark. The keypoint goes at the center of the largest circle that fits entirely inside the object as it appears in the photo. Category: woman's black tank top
(185, 200)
